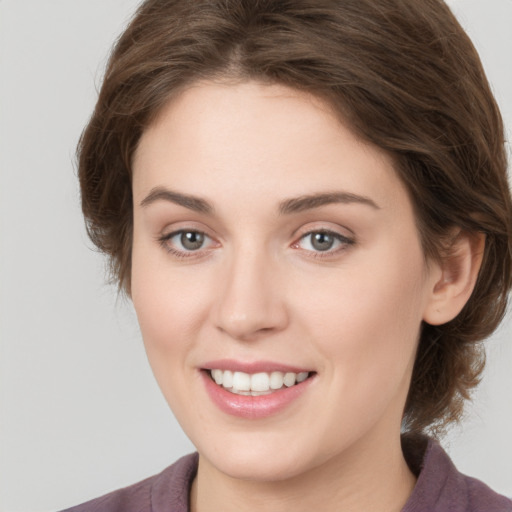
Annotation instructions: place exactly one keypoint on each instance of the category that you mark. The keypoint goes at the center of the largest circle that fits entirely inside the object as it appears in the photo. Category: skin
(257, 289)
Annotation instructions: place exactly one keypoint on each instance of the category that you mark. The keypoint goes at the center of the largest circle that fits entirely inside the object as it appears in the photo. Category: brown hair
(404, 75)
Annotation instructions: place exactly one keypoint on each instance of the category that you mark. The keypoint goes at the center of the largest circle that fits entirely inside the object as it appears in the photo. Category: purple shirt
(440, 488)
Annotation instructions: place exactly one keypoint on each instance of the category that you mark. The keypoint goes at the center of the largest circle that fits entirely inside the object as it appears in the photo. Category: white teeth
(227, 379)
(302, 376)
(289, 379)
(217, 376)
(242, 381)
(260, 382)
(276, 380)
(256, 384)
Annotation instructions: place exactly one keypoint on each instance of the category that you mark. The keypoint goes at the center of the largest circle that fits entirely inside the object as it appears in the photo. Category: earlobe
(455, 279)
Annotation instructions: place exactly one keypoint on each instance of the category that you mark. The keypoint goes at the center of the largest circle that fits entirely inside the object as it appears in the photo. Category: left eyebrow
(308, 202)
(194, 203)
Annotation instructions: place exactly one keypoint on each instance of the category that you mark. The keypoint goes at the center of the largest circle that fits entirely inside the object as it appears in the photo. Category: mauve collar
(171, 489)
(441, 488)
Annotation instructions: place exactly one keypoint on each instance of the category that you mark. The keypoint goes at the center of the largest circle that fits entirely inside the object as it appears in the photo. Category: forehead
(217, 137)
(223, 114)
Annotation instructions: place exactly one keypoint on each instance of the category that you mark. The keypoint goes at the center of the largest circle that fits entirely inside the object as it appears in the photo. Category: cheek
(166, 303)
(366, 318)
(168, 315)
(366, 328)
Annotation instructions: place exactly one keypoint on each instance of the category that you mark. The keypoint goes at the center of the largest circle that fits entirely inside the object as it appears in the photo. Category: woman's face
(272, 246)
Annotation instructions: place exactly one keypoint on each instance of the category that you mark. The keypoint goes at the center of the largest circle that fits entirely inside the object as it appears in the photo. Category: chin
(260, 461)
(258, 469)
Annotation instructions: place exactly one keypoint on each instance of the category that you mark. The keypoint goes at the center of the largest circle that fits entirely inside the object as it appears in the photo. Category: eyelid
(345, 241)
(338, 236)
(165, 238)
(170, 229)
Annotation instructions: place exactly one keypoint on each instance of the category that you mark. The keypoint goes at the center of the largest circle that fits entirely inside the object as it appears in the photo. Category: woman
(308, 204)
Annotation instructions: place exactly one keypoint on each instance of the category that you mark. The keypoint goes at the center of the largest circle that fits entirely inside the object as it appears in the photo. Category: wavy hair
(402, 73)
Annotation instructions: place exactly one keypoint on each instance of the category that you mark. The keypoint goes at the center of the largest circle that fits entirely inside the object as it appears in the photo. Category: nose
(251, 300)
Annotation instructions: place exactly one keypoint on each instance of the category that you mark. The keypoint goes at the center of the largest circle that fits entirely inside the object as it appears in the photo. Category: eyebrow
(191, 202)
(286, 207)
(309, 202)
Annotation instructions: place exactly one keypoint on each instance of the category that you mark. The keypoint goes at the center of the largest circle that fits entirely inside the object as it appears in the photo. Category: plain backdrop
(80, 412)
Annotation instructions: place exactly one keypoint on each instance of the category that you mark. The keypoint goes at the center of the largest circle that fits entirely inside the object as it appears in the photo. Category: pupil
(191, 240)
(322, 241)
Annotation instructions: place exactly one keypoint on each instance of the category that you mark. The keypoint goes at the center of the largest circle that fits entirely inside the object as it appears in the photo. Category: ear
(454, 277)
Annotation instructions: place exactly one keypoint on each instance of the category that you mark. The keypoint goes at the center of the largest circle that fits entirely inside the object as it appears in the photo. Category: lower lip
(253, 407)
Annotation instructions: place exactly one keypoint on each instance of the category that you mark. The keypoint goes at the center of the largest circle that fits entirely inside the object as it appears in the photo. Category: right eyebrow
(309, 202)
(194, 203)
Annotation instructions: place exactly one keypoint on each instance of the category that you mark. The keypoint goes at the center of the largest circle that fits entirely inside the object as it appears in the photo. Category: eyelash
(182, 254)
(344, 243)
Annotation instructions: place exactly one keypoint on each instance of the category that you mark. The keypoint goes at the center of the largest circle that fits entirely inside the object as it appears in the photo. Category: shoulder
(440, 487)
(170, 488)
(484, 499)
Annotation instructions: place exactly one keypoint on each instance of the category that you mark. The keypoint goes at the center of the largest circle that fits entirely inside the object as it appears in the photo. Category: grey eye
(322, 241)
(191, 240)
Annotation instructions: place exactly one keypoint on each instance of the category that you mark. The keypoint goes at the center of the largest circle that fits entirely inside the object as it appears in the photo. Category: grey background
(80, 413)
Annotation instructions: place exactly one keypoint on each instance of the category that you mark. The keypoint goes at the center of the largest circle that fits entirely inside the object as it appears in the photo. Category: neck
(374, 477)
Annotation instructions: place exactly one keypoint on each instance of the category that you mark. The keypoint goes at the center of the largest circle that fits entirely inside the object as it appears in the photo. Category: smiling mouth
(256, 384)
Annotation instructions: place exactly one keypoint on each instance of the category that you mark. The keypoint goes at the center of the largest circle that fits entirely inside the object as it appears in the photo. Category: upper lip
(252, 367)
